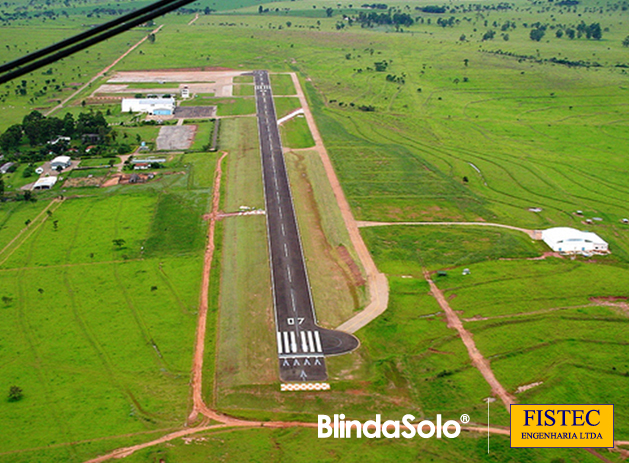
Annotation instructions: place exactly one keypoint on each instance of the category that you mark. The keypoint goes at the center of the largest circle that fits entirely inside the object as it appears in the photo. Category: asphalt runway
(301, 345)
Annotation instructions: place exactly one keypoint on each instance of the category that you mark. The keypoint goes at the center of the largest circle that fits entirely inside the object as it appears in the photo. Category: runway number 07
(291, 321)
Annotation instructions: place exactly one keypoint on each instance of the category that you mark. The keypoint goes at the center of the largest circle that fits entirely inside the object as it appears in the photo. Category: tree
(462, 38)
(559, 33)
(119, 242)
(466, 62)
(15, 393)
(68, 125)
(32, 125)
(11, 138)
(7, 300)
(489, 35)
(329, 12)
(537, 34)
(151, 38)
(570, 33)
(594, 31)
(625, 42)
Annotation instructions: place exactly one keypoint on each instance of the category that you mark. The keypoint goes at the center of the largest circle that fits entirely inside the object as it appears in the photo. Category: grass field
(282, 84)
(243, 90)
(303, 445)
(285, 105)
(81, 312)
(203, 137)
(296, 134)
(226, 106)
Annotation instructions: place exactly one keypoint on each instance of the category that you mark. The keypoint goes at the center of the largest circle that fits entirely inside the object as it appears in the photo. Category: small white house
(152, 106)
(185, 92)
(571, 241)
(45, 183)
(61, 161)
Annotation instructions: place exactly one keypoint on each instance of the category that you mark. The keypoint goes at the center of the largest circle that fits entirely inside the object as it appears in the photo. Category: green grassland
(282, 84)
(203, 137)
(296, 134)
(243, 90)
(303, 445)
(236, 106)
(99, 336)
(246, 317)
(285, 105)
(408, 249)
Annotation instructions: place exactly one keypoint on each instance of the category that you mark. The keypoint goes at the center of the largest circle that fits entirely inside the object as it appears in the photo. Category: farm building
(148, 160)
(152, 106)
(61, 161)
(45, 183)
(571, 241)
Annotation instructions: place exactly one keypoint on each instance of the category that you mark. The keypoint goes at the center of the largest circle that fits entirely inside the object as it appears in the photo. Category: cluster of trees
(466, 8)
(38, 129)
(389, 19)
(450, 22)
(537, 33)
(375, 6)
(432, 9)
(562, 61)
(397, 79)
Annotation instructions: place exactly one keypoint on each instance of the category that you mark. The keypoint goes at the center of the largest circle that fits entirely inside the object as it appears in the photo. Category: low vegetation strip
(376, 281)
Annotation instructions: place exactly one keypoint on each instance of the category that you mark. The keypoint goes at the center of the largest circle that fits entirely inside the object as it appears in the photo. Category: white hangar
(572, 241)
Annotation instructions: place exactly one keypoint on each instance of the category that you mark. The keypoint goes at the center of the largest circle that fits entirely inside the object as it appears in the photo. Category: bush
(15, 393)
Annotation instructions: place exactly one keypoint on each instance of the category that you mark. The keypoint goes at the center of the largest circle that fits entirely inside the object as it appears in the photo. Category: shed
(45, 183)
(61, 161)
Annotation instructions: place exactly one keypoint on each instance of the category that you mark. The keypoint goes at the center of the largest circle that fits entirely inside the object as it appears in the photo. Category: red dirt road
(198, 405)
(476, 357)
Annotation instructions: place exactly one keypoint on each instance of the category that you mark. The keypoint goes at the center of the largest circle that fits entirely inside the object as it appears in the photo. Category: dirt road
(198, 405)
(475, 356)
(376, 281)
(532, 233)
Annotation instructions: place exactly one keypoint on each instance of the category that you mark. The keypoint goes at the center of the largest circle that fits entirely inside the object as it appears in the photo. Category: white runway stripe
(304, 344)
(311, 341)
(279, 343)
(318, 341)
(286, 343)
(293, 342)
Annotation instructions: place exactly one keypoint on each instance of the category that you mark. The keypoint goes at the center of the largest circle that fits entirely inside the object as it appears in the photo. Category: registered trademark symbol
(465, 418)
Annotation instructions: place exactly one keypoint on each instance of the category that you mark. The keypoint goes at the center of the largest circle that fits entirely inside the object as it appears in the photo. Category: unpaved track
(376, 281)
(476, 357)
(102, 73)
(531, 233)
(198, 406)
